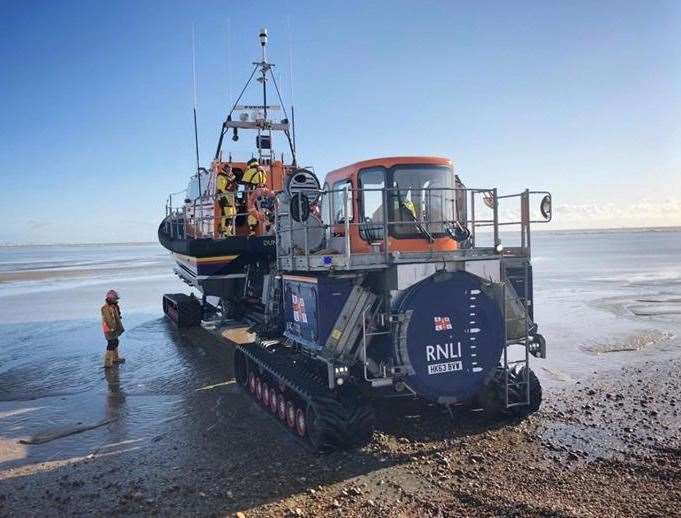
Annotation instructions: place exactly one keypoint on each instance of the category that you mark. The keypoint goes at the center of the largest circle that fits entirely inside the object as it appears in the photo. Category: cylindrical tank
(451, 335)
(313, 227)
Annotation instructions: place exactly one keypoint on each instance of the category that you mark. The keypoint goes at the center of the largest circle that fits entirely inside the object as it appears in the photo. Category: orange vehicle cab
(416, 194)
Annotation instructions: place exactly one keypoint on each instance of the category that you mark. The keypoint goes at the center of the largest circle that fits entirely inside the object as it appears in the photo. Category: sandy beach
(169, 433)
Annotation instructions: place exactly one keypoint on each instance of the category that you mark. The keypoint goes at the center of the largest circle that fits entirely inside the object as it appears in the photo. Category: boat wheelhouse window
(342, 192)
(193, 187)
(423, 199)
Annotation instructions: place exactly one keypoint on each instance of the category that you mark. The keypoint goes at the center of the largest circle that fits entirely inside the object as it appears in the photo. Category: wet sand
(192, 443)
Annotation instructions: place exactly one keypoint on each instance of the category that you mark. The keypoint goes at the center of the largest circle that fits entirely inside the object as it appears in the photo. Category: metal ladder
(523, 363)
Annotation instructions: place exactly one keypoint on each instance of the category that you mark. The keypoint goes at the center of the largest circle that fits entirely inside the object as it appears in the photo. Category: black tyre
(360, 418)
(320, 430)
(535, 393)
(346, 422)
(493, 396)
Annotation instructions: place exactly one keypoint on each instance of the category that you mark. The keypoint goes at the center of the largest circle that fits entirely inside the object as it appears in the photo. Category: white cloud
(640, 213)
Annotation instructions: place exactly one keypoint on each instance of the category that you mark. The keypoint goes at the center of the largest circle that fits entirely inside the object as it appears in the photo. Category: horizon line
(535, 229)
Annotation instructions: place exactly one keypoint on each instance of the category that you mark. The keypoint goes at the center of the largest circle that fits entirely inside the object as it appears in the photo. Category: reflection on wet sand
(88, 408)
(115, 401)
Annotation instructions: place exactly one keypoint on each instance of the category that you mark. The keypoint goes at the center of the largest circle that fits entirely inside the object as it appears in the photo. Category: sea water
(597, 293)
(602, 299)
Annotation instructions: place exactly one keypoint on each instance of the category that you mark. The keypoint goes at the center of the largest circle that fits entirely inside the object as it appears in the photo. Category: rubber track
(340, 424)
(279, 367)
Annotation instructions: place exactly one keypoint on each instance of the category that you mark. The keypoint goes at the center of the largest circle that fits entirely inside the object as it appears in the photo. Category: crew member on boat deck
(255, 175)
(225, 187)
(112, 325)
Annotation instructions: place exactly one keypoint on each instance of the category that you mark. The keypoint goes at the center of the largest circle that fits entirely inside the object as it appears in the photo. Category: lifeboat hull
(200, 260)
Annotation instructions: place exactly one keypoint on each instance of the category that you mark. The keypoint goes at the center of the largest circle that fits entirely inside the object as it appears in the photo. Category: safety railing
(349, 217)
(428, 213)
(197, 219)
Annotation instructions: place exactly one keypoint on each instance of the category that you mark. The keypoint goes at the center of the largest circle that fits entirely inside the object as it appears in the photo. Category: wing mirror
(488, 198)
(545, 207)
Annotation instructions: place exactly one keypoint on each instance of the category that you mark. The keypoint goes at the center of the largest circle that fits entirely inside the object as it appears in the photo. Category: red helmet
(112, 295)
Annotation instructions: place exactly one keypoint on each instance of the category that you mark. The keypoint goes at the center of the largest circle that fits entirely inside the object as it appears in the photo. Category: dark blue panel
(454, 337)
(311, 307)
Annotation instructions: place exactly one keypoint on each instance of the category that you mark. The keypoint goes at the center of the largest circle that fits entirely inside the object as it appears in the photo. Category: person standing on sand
(112, 325)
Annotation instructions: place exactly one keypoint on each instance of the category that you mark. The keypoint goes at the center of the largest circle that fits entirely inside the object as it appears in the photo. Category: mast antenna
(290, 86)
(264, 69)
(196, 129)
(290, 59)
(263, 44)
(229, 60)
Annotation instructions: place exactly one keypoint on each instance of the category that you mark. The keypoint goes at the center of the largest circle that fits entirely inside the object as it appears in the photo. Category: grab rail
(435, 213)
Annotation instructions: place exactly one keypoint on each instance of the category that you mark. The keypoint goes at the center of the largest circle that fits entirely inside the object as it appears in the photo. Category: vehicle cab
(414, 200)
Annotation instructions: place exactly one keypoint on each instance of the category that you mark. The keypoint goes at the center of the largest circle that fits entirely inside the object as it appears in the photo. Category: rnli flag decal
(298, 305)
(442, 323)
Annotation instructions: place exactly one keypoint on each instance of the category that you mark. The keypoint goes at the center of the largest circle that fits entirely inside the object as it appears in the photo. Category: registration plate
(441, 368)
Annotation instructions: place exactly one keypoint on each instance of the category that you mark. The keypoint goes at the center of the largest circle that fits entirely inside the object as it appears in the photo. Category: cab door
(341, 208)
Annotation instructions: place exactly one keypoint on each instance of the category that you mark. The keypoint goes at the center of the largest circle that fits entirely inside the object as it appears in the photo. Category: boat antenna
(229, 58)
(290, 85)
(264, 68)
(196, 129)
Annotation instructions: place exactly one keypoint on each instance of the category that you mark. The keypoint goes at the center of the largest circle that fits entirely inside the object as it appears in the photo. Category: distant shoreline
(103, 243)
(535, 229)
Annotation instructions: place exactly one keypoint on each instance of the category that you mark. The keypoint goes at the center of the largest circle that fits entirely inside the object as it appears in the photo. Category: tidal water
(602, 299)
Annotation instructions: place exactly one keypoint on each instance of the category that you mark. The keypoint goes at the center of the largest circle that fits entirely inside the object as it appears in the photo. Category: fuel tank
(450, 336)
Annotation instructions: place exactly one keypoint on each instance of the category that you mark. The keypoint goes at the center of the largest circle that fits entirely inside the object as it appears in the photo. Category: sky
(582, 99)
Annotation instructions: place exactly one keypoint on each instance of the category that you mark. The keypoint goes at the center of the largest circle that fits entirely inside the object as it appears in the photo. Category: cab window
(422, 199)
(372, 182)
(342, 192)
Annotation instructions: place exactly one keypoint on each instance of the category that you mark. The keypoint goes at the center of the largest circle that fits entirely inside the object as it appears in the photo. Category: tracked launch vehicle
(389, 280)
